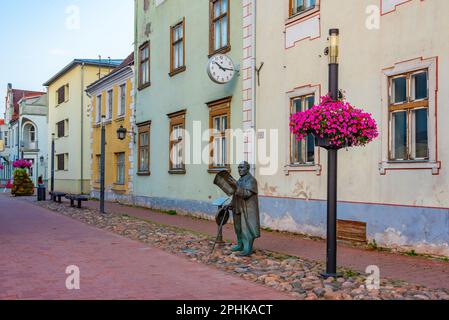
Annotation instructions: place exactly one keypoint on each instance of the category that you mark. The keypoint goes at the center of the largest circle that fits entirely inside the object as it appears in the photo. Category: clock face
(221, 69)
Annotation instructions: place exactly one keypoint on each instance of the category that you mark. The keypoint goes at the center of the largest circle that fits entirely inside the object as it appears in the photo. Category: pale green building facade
(174, 92)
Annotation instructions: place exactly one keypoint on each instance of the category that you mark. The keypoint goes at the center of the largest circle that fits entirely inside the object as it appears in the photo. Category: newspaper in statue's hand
(226, 182)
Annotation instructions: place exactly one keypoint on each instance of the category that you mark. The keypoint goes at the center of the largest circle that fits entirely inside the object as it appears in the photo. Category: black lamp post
(121, 135)
(331, 264)
(52, 169)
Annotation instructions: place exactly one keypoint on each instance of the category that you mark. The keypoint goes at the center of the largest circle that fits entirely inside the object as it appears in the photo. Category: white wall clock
(221, 69)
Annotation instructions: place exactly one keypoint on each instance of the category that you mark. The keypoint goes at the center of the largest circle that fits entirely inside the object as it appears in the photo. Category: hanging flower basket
(335, 125)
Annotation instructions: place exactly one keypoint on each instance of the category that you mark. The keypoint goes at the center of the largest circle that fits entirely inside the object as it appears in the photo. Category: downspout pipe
(254, 84)
(82, 128)
(18, 139)
(135, 82)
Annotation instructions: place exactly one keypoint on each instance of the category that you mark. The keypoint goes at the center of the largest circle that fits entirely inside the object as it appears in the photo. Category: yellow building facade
(69, 122)
(112, 106)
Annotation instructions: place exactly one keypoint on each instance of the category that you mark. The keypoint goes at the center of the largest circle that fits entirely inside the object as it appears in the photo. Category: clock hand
(219, 65)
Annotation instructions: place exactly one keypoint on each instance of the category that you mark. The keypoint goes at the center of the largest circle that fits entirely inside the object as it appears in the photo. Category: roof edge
(77, 62)
(108, 78)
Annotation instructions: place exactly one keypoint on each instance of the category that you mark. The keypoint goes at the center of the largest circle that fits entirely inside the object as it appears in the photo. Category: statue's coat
(246, 204)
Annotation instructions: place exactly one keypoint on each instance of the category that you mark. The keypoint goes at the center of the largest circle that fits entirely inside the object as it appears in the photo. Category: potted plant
(335, 124)
(22, 186)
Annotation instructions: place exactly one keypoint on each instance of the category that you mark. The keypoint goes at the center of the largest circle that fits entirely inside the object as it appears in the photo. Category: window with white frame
(302, 152)
(32, 132)
(99, 106)
(143, 143)
(62, 94)
(219, 125)
(219, 26)
(120, 174)
(176, 150)
(409, 116)
(220, 143)
(122, 101)
(62, 161)
(299, 6)
(177, 127)
(144, 65)
(110, 97)
(177, 38)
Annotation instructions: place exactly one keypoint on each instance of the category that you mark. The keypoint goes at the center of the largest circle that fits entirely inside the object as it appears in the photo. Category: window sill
(118, 187)
(433, 166)
(177, 171)
(177, 71)
(218, 169)
(120, 119)
(144, 174)
(301, 15)
(143, 86)
(220, 51)
(62, 103)
(291, 168)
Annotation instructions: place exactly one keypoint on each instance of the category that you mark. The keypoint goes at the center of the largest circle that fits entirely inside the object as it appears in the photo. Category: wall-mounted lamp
(121, 133)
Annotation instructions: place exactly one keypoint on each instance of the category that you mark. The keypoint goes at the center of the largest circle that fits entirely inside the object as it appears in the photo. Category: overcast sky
(38, 38)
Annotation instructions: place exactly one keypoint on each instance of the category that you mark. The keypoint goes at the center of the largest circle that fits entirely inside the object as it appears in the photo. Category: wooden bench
(56, 196)
(78, 198)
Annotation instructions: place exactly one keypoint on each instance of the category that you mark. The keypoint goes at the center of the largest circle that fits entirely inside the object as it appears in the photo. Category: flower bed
(335, 123)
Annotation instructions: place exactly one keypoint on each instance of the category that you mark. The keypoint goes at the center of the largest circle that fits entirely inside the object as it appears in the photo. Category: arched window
(32, 134)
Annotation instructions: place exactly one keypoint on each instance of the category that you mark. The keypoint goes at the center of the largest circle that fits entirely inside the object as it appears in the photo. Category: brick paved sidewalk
(36, 246)
(419, 270)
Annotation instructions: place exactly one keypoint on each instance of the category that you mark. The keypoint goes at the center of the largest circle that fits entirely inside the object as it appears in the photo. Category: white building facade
(394, 60)
(24, 110)
(33, 123)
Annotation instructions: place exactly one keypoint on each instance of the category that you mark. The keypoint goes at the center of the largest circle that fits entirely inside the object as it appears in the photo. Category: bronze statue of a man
(245, 204)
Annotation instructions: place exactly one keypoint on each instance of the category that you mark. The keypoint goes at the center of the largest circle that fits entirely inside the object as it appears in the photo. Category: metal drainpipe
(82, 128)
(18, 139)
(135, 83)
(254, 84)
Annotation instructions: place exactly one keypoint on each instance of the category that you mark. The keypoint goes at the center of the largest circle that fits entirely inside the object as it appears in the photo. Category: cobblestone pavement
(293, 275)
(37, 245)
(432, 273)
